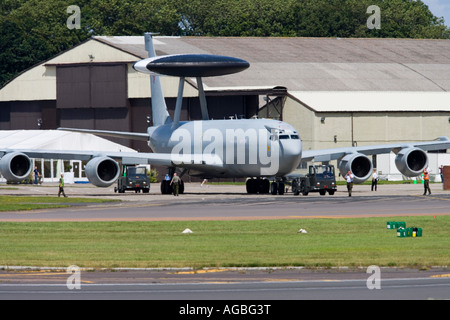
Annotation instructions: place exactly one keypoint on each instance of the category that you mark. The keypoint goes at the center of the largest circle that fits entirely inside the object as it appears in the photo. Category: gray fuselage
(230, 148)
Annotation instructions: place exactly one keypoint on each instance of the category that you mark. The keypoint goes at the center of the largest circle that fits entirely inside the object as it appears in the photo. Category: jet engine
(102, 171)
(15, 166)
(411, 161)
(358, 164)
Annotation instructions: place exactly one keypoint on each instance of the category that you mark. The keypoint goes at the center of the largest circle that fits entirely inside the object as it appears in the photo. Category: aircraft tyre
(274, 188)
(166, 188)
(261, 186)
(181, 188)
(280, 188)
(277, 188)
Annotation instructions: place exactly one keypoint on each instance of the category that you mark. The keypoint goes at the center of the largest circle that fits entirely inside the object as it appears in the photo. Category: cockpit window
(284, 137)
(295, 137)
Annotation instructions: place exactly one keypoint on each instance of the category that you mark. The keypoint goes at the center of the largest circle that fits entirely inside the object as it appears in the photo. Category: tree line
(35, 30)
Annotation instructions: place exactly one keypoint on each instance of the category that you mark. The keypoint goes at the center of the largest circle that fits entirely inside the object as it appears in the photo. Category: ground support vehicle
(321, 178)
(133, 178)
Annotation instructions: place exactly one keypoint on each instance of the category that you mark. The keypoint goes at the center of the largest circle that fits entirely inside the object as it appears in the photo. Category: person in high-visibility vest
(61, 186)
(426, 182)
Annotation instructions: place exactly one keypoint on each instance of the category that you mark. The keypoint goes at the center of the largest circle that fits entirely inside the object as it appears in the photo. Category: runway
(229, 285)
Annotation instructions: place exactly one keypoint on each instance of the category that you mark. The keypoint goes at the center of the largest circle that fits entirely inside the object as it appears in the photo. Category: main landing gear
(277, 187)
(263, 186)
(166, 188)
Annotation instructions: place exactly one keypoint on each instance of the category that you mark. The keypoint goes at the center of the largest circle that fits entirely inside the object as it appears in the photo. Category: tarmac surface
(229, 285)
(220, 202)
(226, 202)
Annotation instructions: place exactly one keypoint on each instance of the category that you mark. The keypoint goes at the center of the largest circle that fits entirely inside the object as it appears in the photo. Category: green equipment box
(409, 232)
(395, 225)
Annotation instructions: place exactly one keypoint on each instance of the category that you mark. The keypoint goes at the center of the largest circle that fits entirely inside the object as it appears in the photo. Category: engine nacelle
(359, 164)
(411, 161)
(102, 171)
(15, 166)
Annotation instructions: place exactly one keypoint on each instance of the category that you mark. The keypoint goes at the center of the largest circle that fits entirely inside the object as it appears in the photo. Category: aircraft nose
(291, 153)
(292, 147)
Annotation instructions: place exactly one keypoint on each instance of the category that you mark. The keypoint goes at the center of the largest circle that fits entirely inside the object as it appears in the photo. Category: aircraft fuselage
(230, 148)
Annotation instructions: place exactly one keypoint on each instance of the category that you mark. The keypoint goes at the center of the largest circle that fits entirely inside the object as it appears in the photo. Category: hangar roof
(316, 64)
(57, 140)
(374, 101)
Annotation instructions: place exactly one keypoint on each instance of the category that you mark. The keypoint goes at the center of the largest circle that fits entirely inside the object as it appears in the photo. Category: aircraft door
(77, 169)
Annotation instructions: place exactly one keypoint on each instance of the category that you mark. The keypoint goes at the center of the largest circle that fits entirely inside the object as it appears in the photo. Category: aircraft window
(284, 137)
(136, 171)
(295, 137)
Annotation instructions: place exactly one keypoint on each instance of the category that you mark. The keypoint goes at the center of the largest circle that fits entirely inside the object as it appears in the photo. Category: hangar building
(336, 92)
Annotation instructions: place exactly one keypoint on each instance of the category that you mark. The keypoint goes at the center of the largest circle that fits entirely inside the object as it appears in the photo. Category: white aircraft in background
(259, 149)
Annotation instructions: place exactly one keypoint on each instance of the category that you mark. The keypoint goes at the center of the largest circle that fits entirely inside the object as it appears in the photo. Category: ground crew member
(61, 186)
(176, 184)
(374, 180)
(426, 182)
(349, 177)
(37, 175)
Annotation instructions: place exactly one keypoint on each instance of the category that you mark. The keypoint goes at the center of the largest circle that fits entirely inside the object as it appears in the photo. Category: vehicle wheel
(322, 192)
(331, 192)
(303, 188)
(295, 187)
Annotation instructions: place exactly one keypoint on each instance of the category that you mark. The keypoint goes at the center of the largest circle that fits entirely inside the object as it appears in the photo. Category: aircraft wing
(440, 143)
(162, 159)
(411, 158)
(115, 134)
(102, 168)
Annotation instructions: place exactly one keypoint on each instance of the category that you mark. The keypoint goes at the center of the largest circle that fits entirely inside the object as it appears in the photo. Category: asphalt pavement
(220, 202)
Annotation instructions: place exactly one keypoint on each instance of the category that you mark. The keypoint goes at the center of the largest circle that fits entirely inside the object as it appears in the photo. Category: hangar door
(91, 86)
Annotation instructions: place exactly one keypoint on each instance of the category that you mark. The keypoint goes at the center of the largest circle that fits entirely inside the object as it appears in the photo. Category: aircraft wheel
(264, 186)
(181, 188)
(280, 188)
(252, 186)
(274, 188)
(166, 188)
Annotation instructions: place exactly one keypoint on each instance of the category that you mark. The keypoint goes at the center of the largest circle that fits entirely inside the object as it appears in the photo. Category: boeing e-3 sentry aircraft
(259, 149)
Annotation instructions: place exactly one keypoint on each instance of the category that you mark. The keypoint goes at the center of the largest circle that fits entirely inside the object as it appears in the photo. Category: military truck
(321, 178)
(133, 178)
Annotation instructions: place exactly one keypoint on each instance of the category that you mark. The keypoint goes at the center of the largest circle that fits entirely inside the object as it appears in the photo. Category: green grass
(264, 243)
(19, 203)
